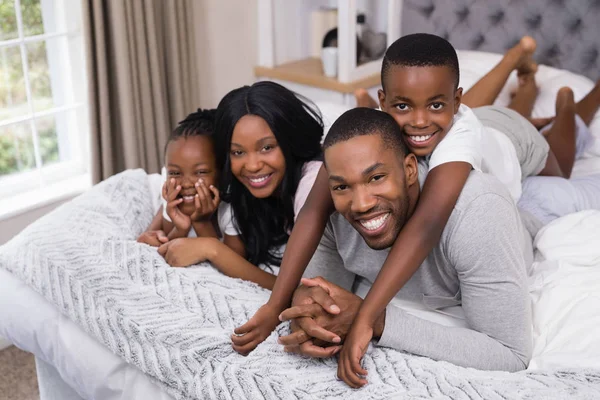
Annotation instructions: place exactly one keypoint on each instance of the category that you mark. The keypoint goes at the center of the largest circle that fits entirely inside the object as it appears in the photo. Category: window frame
(43, 184)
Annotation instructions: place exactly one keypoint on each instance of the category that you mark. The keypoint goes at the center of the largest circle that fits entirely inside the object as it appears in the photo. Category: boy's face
(189, 159)
(423, 101)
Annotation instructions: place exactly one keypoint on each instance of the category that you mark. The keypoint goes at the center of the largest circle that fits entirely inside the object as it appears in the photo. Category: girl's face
(256, 158)
(188, 160)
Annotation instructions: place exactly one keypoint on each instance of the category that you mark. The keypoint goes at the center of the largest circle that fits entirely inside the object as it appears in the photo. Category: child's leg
(524, 98)
(485, 91)
(561, 136)
(587, 107)
(363, 99)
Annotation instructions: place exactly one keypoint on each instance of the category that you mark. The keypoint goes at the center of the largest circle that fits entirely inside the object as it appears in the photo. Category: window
(43, 107)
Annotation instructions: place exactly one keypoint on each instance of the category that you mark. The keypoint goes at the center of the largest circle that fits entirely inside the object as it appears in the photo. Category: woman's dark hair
(197, 123)
(264, 223)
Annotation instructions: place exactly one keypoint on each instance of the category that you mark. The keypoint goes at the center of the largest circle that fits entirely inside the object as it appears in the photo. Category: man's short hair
(420, 50)
(367, 121)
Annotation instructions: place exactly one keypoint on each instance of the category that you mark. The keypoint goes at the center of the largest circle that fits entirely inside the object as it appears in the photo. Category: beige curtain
(141, 64)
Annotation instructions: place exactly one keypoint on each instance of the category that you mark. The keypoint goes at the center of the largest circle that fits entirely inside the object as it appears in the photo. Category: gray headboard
(567, 31)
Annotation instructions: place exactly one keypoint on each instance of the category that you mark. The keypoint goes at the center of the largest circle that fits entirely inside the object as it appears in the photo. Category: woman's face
(256, 158)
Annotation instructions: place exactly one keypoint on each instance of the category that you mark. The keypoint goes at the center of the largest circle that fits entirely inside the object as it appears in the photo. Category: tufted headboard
(567, 31)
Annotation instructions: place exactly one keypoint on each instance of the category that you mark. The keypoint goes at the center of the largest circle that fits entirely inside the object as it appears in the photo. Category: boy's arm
(417, 238)
(303, 241)
(489, 262)
(301, 246)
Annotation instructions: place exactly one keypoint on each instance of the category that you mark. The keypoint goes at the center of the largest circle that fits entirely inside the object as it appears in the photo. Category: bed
(107, 318)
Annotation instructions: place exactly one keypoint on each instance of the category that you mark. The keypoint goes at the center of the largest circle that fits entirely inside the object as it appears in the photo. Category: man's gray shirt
(479, 263)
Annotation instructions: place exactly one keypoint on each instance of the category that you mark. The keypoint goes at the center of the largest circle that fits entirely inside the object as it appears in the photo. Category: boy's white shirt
(486, 149)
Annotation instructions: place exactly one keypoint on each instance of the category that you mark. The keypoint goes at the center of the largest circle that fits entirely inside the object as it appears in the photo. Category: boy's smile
(423, 101)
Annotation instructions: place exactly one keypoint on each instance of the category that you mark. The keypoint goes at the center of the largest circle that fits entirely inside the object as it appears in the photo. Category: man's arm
(493, 283)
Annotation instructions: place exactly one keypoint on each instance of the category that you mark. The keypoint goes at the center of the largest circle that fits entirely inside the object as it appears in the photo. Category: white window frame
(22, 191)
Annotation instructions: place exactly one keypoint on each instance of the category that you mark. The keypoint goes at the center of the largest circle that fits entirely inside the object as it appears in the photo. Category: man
(477, 272)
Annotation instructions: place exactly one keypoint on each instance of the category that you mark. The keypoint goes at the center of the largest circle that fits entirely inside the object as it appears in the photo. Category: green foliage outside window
(16, 144)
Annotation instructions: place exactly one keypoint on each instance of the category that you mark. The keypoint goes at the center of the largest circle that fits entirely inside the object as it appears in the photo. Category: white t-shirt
(486, 149)
(309, 174)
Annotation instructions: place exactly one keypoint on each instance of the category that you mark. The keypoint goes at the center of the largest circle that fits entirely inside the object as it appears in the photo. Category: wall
(226, 38)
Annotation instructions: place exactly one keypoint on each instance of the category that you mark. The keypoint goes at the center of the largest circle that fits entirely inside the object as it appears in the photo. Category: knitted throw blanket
(174, 323)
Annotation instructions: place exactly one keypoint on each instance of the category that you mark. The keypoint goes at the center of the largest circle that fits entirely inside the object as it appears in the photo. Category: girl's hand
(171, 190)
(153, 238)
(256, 330)
(184, 252)
(206, 203)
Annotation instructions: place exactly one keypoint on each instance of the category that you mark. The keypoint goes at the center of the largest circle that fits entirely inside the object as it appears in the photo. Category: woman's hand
(184, 252)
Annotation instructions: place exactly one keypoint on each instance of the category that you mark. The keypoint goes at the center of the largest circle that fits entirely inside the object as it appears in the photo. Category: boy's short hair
(367, 121)
(420, 50)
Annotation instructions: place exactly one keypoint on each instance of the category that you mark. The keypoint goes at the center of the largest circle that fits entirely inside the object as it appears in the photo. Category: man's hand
(205, 202)
(153, 238)
(312, 326)
(182, 222)
(256, 330)
(183, 252)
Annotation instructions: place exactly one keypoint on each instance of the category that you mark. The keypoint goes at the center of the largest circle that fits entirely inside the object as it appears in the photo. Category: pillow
(475, 64)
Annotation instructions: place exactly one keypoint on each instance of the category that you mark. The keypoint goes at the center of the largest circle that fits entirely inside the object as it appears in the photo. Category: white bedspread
(174, 324)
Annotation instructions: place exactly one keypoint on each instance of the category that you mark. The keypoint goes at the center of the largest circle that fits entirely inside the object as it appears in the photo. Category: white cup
(329, 56)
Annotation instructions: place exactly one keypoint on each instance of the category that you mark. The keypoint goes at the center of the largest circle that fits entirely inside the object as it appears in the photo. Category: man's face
(423, 101)
(372, 191)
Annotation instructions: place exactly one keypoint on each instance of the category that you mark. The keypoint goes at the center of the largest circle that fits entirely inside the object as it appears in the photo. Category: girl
(189, 194)
(268, 149)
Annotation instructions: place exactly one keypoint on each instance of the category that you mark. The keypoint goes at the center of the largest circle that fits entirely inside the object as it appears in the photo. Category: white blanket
(174, 324)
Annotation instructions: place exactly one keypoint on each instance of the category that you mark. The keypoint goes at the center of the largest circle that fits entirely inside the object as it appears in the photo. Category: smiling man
(468, 302)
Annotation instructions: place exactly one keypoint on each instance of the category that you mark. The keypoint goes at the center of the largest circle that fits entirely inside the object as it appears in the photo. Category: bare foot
(565, 105)
(521, 56)
(363, 99)
(565, 99)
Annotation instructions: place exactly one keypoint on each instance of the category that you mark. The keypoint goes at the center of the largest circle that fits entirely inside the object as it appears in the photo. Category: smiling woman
(268, 145)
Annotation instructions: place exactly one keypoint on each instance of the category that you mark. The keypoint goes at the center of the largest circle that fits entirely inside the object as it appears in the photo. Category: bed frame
(567, 31)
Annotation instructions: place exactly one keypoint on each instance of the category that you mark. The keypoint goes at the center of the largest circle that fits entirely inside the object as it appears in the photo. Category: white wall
(226, 38)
